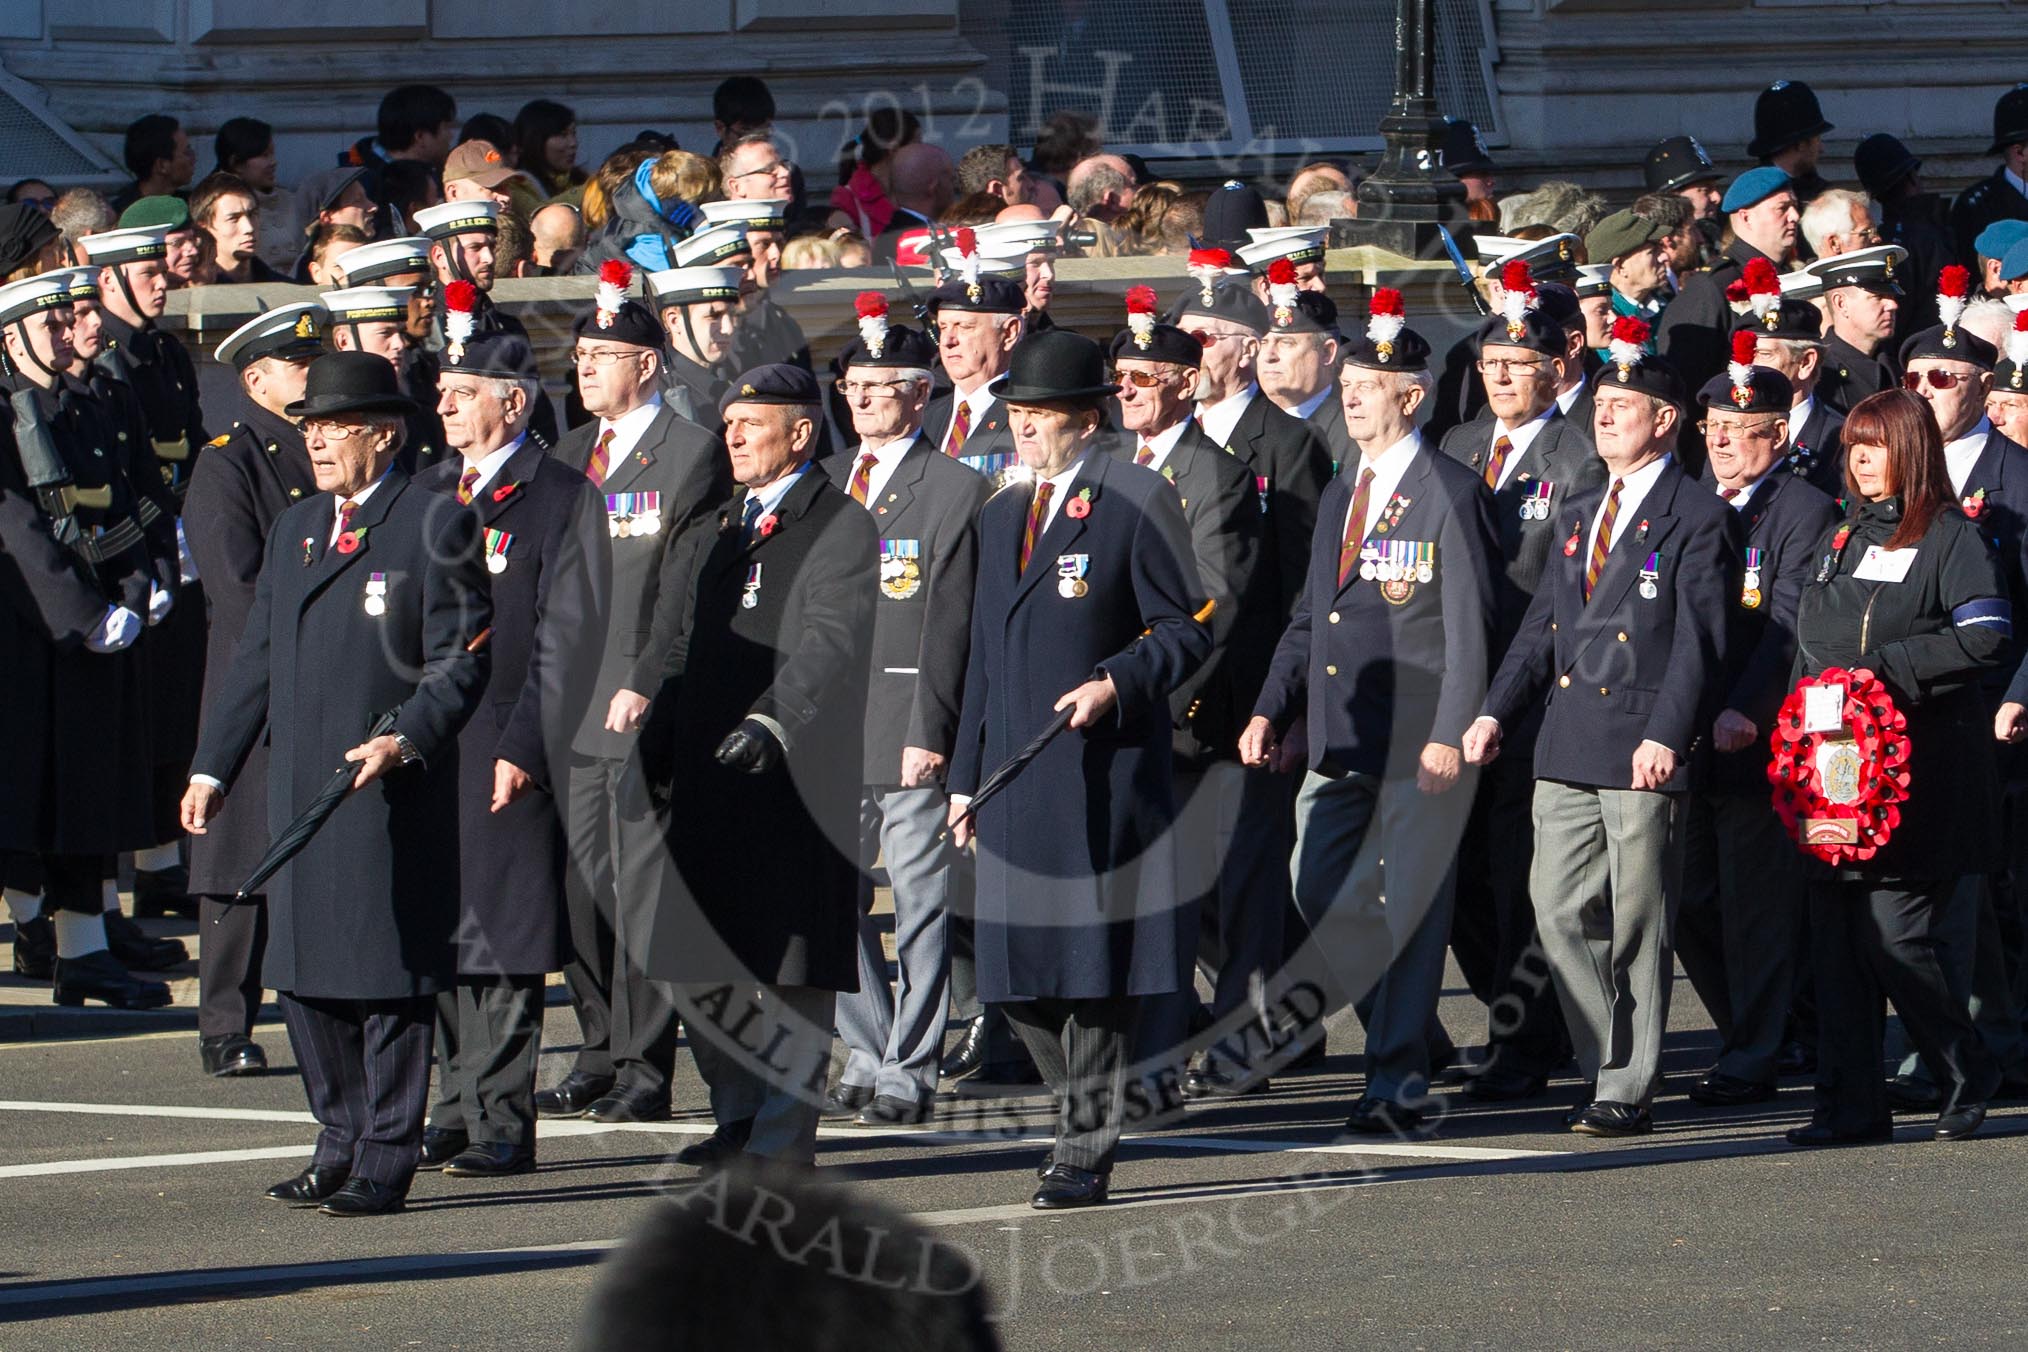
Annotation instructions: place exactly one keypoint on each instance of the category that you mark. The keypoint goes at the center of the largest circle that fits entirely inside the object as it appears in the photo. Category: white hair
(1321, 208)
(1831, 214)
(1988, 318)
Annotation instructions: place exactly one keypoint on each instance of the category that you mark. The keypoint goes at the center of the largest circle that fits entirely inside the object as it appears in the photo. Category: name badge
(1884, 565)
(376, 594)
(900, 568)
(1070, 571)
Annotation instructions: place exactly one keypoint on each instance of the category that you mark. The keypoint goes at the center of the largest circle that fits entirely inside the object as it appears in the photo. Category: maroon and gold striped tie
(1038, 512)
(1355, 527)
(1145, 456)
(466, 485)
(961, 427)
(862, 477)
(1501, 450)
(601, 459)
(1602, 539)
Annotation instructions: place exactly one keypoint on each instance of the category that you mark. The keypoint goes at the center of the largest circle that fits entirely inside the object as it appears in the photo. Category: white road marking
(273, 1152)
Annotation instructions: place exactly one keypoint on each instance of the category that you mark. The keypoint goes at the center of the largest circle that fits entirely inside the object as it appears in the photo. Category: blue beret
(1755, 185)
(2014, 263)
(1996, 239)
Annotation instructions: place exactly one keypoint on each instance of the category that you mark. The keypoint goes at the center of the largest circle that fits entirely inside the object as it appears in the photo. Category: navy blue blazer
(1383, 667)
(1627, 668)
(1077, 890)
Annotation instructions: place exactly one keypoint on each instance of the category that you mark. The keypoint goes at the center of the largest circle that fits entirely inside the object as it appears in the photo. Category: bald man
(1100, 187)
(922, 186)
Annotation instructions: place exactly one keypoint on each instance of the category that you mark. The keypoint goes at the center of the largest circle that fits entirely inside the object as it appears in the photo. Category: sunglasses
(1146, 380)
(1938, 380)
(1205, 337)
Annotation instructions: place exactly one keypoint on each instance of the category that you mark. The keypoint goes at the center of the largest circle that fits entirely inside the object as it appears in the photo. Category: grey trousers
(1738, 925)
(767, 1090)
(894, 1036)
(489, 1035)
(618, 861)
(1608, 864)
(1375, 879)
(1080, 1046)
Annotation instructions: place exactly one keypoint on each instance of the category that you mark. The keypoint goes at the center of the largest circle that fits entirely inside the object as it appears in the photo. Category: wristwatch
(406, 749)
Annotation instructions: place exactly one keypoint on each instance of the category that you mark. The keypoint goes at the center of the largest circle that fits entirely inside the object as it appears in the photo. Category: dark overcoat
(1077, 890)
(1290, 466)
(927, 517)
(766, 883)
(368, 909)
(544, 532)
(239, 490)
(686, 467)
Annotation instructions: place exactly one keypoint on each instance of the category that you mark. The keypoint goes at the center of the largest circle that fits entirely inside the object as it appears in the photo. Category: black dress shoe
(1606, 1118)
(1795, 1058)
(715, 1150)
(969, 1054)
(1960, 1122)
(164, 892)
(573, 1096)
(311, 1186)
(1906, 1094)
(35, 949)
(98, 976)
(845, 1101)
(1814, 1135)
(1579, 1108)
(1499, 1083)
(490, 1159)
(1043, 1167)
(1214, 1079)
(1064, 1187)
(134, 949)
(232, 1054)
(441, 1145)
(1380, 1117)
(630, 1105)
(360, 1198)
(1716, 1090)
(885, 1110)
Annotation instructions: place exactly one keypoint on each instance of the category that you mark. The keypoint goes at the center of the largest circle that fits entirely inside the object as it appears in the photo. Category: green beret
(171, 213)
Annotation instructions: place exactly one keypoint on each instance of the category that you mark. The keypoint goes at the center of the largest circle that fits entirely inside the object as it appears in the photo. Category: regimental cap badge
(1141, 305)
(1281, 280)
(1629, 341)
(1740, 369)
(748, 389)
(1953, 293)
(1386, 317)
(1517, 280)
(306, 327)
(871, 308)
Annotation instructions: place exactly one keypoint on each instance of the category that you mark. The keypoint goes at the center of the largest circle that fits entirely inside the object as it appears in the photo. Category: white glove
(159, 602)
(117, 630)
(186, 567)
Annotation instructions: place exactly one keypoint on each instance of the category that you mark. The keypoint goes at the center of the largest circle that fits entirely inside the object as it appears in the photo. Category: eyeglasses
(777, 167)
(877, 389)
(1938, 380)
(1707, 427)
(1205, 337)
(1501, 366)
(42, 204)
(1147, 380)
(602, 356)
(335, 431)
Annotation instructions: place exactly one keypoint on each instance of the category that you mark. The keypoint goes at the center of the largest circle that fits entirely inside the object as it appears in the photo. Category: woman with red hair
(1908, 589)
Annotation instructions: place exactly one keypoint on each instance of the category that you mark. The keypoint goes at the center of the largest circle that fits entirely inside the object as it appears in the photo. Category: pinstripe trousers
(366, 1070)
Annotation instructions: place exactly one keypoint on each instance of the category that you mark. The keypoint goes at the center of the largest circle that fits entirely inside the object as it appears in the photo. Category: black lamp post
(1403, 202)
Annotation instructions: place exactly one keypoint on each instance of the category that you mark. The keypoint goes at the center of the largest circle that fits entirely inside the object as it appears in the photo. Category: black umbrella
(311, 819)
(1014, 765)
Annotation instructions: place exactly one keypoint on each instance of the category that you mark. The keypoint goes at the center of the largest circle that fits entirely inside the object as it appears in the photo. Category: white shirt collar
(886, 459)
(1387, 467)
(1568, 397)
(1308, 408)
(1162, 443)
(489, 464)
(771, 496)
(1962, 453)
(629, 428)
(1523, 437)
(1801, 414)
(979, 401)
(1059, 491)
(1220, 418)
(1739, 500)
(1633, 492)
(358, 500)
(2019, 185)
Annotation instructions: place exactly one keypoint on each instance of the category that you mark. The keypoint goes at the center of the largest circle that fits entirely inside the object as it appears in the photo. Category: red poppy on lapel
(1079, 507)
(351, 540)
(505, 491)
(766, 525)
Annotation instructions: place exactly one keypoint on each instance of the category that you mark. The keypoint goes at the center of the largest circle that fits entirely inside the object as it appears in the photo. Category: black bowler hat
(2010, 119)
(1162, 342)
(1797, 320)
(1055, 366)
(1677, 163)
(629, 323)
(1946, 343)
(900, 346)
(351, 382)
(1786, 112)
(775, 383)
(1231, 211)
(1465, 150)
(1882, 162)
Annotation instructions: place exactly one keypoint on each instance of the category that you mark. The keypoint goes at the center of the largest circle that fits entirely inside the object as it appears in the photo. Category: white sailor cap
(755, 213)
(293, 332)
(711, 246)
(128, 245)
(458, 218)
(383, 258)
(368, 304)
(31, 295)
(694, 286)
(1297, 243)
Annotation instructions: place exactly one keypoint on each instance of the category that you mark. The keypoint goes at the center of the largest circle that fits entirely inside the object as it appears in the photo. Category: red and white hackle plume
(1517, 287)
(1953, 293)
(1740, 369)
(1763, 291)
(615, 276)
(461, 298)
(968, 260)
(1281, 280)
(1141, 302)
(871, 307)
(1386, 317)
(2017, 350)
(1207, 266)
(1628, 343)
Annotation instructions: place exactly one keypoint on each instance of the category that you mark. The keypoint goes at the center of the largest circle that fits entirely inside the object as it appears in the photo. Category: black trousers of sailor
(366, 1072)
(1874, 941)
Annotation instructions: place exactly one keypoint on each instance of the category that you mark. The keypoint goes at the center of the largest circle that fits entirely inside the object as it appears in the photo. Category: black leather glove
(750, 747)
